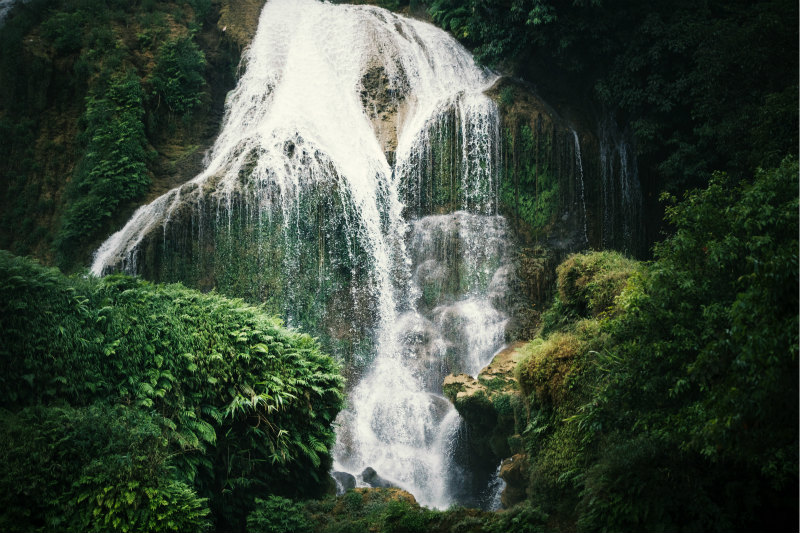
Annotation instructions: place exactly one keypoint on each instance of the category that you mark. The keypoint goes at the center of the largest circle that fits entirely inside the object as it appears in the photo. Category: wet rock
(514, 471)
(372, 479)
(344, 481)
(489, 405)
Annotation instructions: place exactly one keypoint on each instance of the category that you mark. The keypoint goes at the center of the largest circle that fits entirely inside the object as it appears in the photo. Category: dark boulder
(344, 481)
(372, 479)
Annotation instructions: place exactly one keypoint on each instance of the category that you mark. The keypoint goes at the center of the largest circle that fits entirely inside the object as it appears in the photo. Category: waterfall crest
(353, 187)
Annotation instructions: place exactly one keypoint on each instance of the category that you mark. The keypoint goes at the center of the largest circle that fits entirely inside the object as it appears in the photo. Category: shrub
(178, 75)
(246, 405)
(94, 468)
(278, 515)
(523, 518)
(65, 31)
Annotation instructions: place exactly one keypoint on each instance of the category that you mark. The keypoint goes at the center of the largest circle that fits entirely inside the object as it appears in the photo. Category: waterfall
(353, 188)
(621, 190)
(579, 161)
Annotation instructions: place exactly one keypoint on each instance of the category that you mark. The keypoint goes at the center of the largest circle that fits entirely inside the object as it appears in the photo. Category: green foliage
(529, 188)
(392, 510)
(94, 468)
(523, 518)
(178, 76)
(201, 8)
(65, 31)
(246, 405)
(114, 167)
(278, 515)
(704, 85)
(717, 312)
(676, 407)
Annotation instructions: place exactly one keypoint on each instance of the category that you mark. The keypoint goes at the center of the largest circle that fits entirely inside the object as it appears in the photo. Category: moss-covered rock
(514, 471)
(548, 366)
(491, 406)
(590, 283)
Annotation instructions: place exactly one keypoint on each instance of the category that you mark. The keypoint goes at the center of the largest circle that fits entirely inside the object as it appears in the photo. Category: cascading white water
(388, 113)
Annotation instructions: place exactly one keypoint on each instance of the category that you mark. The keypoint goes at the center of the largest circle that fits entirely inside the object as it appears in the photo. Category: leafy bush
(523, 518)
(278, 515)
(114, 167)
(178, 76)
(94, 468)
(65, 31)
(676, 407)
(246, 405)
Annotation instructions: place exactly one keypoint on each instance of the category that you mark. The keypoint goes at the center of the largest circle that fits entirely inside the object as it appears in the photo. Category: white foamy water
(328, 92)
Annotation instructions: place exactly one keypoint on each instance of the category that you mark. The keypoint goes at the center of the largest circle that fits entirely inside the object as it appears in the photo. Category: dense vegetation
(101, 101)
(704, 86)
(131, 406)
(663, 396)
(657, 396)
(389, 510)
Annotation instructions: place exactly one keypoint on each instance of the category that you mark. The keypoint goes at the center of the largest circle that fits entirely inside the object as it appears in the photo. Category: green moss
(548, 365)
(589, 284)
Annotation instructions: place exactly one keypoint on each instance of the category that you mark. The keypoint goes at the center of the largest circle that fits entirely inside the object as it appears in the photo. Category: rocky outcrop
(344, 481)
(495, 413)
(491, 405)
(514, 471)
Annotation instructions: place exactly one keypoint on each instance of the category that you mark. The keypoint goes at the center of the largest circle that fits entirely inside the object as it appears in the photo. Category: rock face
(344, 481)
(514, 471)
(239, 19)
(564, 184)
(491, 405)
